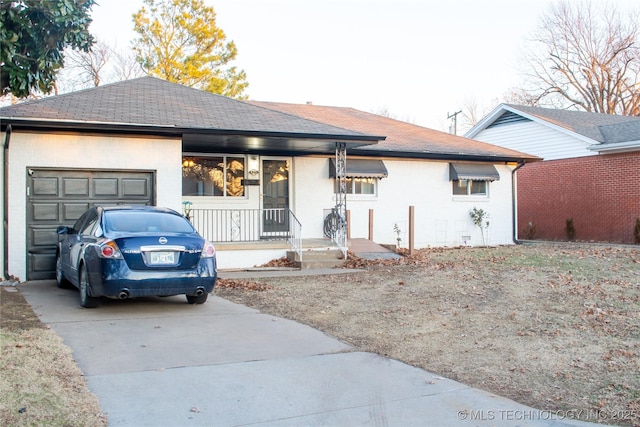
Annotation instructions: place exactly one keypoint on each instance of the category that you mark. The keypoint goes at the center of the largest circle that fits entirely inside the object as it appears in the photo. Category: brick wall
(600, 193)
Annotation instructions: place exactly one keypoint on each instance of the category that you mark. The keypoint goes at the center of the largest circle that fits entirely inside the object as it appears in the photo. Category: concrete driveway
(163, 362)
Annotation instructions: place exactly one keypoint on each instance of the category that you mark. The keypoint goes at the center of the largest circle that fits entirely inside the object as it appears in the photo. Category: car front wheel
(85, 300)
(197, 299)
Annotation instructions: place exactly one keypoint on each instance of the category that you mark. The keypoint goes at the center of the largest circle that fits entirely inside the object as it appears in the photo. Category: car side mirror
(62, 230)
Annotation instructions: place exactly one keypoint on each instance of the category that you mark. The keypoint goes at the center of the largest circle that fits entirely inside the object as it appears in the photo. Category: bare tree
(103, 64)
(90, 65)
(125, 66)
(472, 112)
(519, 96)
(586, 56)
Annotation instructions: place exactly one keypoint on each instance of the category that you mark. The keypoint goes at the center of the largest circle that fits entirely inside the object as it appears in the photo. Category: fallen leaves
(280, 262)
(245, 285)
(511, 320)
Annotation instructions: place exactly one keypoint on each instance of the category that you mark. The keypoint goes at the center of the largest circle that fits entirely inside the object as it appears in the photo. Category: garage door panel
(45, 212)
(75, 187)
(134, 188)
(59, 197)
(45, 186)
(72, 211)
(43, 238)
(105, 187)
(41, 265)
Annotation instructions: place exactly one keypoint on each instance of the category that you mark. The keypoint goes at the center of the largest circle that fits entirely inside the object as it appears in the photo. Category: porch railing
(248, 225)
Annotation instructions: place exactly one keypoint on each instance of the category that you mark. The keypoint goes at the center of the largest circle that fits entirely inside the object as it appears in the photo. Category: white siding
(86, 152)
(536, 139)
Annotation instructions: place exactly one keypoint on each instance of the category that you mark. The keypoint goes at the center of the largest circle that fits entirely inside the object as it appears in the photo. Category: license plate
(162, 258)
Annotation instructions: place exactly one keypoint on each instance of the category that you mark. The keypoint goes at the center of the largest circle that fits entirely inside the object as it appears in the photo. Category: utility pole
(454, 121)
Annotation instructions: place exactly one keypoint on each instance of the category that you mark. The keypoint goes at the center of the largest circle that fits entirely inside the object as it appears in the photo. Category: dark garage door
(59, 197)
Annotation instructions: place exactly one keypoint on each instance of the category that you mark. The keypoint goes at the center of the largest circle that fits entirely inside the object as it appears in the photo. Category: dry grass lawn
(40, 383)
(553, 326)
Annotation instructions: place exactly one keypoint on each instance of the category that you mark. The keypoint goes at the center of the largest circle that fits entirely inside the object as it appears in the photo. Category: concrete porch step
(317, 258)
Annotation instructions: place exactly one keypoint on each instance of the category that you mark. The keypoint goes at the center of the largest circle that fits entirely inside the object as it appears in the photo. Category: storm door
(275, 196)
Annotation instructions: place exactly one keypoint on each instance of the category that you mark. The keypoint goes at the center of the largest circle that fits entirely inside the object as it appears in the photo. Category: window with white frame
(361, 186)
(470, 187)
(219, 176)
(472, 179)
(361, 176)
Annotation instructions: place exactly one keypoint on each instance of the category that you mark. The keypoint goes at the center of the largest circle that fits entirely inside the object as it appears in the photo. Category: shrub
(480, 217)
(529, 230)
(570, 228)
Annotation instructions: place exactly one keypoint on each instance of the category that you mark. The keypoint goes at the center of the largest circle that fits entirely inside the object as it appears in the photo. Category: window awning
(473, 171)
(360, 168)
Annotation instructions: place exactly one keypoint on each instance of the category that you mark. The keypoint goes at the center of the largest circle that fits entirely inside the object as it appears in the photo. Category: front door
(275, 196)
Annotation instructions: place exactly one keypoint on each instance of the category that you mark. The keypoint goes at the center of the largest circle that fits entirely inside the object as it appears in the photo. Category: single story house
(588, 186)
(243, 172)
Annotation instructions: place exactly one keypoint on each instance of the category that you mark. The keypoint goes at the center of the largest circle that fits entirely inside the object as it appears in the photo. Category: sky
(417, 60)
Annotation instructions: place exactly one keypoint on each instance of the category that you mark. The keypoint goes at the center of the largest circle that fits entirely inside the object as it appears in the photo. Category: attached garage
(52, 177)
(59, 196)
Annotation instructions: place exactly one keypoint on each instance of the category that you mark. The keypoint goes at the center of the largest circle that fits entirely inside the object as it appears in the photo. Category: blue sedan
(131, 251)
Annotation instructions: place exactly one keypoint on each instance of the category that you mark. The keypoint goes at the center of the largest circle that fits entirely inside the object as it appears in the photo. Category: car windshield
(145, 222)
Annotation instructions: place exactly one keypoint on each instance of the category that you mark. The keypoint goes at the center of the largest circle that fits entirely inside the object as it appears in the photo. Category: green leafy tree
(178, 40)
(33, 35)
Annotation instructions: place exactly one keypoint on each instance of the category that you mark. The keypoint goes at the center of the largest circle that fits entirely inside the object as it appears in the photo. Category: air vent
(508, 118)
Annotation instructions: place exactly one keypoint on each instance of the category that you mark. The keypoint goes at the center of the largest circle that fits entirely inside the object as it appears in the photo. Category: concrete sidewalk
(163, 362)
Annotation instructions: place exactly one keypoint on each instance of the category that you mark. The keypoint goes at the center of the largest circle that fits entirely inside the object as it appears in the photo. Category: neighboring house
(590, 176)
(245, 173)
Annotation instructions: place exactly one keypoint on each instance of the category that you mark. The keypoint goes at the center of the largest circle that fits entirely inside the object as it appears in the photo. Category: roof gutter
(514, 201)
(5, 202)
(616, 147)
(431, 155)
(172, 130)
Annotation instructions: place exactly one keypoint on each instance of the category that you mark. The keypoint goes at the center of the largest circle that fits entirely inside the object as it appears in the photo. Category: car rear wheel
(61, 282)
(85, 300)
(197, 299)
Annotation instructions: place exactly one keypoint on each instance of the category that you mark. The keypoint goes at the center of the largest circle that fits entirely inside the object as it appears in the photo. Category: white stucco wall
(39, 150)
(441, 219)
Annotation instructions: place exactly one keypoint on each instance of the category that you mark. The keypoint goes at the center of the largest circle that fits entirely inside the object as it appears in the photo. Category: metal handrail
(248, 225)
(295, 236)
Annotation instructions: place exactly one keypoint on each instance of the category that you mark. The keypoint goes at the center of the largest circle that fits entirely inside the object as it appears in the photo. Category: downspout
(5, 202)
(514, 207)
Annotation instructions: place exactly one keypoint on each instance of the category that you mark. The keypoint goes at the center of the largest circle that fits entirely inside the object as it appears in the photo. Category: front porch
(316, 253)
(249, 238)
(253, 254)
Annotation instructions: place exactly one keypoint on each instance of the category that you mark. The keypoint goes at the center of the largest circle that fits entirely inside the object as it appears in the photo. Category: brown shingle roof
(402, 139)
(148, 101)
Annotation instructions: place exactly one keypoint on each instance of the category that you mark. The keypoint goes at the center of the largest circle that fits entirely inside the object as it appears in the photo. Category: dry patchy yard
(553, 326)
(40, 383)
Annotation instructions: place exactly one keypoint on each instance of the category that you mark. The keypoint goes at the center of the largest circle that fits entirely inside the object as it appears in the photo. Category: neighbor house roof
(152, 105)
(607, 132)
(402, 139)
